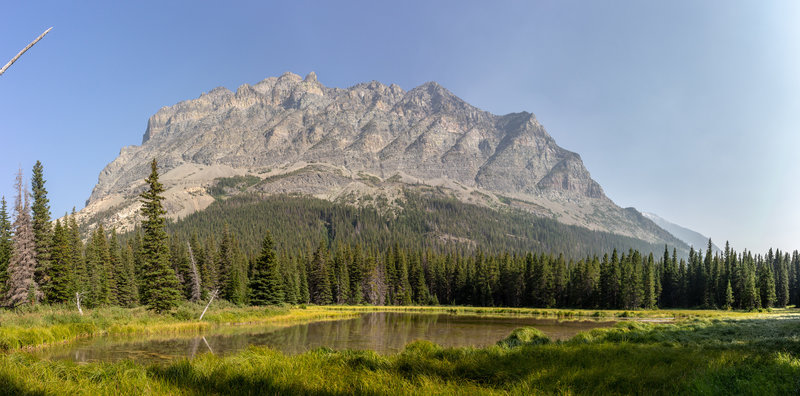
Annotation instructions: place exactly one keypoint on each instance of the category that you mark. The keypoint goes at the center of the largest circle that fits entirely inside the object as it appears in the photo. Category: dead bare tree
(78, 301)
(214, 294)
(14, 59)
(195, 276)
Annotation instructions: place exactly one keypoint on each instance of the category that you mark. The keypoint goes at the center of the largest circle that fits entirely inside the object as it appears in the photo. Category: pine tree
(766, 284)
(80, 278)
(59, 272)
(795, 278)
(127, 294)
(304, 294)
(781, 266)
(319, 279)
(356, 272)
(648, 284)
(483, 287)
(98, 265)
(421, 294)
(225, 264)
(209, 272)
(236, 287)
(22, 287)
(265, 285)
(403, 293)
(42, 230)
(341, 275)
(181, 264)
(750, 298)
(291, 279)
(729, 296)
(114, 268)
(5, 245)
(161, 291)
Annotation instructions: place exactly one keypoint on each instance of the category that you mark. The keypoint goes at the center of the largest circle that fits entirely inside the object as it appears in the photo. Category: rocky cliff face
(296, 135)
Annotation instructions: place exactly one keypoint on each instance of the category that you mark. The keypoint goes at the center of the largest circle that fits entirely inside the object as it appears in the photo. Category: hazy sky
(688, 109)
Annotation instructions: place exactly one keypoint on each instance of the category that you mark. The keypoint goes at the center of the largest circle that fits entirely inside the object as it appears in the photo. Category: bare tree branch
(195, 276)
(11, 62)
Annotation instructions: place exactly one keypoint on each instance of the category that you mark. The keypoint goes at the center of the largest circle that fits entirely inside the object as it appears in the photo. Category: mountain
(366, 145)
(690, 237)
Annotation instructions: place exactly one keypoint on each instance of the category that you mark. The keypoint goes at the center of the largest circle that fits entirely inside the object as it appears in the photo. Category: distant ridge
(690, 237)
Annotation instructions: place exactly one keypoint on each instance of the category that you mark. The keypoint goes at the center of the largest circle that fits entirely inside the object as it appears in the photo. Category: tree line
(45, 261)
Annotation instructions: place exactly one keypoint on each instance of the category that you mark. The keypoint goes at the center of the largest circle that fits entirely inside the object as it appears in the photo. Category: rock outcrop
(296, 135)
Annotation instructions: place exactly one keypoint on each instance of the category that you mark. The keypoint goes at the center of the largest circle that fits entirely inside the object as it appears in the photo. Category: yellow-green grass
(42, 325)
(569, 313)
(45, 325)
(695, 356)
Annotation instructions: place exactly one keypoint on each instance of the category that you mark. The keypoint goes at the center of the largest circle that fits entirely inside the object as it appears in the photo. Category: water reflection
(384, 332)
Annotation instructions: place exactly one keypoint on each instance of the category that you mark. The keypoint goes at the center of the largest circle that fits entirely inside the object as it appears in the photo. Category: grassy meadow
(42, 325)
(700, 352)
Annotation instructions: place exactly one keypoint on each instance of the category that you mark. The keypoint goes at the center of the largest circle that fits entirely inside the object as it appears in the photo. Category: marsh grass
(695, 356)
(44, 325)
(568, 313)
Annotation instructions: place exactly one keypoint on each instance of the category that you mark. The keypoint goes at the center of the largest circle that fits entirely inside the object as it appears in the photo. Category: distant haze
(692, 238)
(686, 109)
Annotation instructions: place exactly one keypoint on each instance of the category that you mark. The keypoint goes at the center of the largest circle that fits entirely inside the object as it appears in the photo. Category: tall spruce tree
(42, 230)
(237, 281)
(648, 284)
(225, 264)
(60, 270)
(80, 278)
(127, 294)
(265, 285)
(97, 264)
(356, 272)
(303, 290)
(781, 268)
(340, 285)
(5, 245)
(161, 290)
(766, 284)
(114, 267)
(319, 283)
(729, 296)
(291, 279)
(22, 288)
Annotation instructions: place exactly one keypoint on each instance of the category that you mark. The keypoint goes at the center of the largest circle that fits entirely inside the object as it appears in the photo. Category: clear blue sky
(688, 109)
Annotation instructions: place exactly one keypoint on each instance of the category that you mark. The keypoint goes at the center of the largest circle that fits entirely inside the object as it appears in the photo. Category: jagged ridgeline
(369, 163)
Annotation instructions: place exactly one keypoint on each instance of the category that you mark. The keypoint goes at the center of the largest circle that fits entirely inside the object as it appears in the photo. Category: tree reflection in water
(384, 332)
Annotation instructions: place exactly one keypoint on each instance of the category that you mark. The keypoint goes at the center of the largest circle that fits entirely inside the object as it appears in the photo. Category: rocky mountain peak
(311, 77)
(298, 136)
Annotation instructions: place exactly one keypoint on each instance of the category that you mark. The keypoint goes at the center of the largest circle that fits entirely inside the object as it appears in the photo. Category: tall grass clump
(524, 336)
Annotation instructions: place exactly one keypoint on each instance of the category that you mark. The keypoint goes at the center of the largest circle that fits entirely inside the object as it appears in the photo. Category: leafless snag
(195, 276)
(78, 301)
(14, 59)
(214, 294)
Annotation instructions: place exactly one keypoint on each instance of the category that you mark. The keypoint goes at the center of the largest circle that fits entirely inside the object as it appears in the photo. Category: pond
(384, 332)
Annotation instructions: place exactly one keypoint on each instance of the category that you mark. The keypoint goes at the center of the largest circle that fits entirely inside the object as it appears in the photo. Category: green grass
(42, 325)
(724, 354)
(566, 313)
(699, 356)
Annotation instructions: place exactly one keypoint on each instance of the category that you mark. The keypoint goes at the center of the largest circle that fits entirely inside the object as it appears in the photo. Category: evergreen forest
(297, 250)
